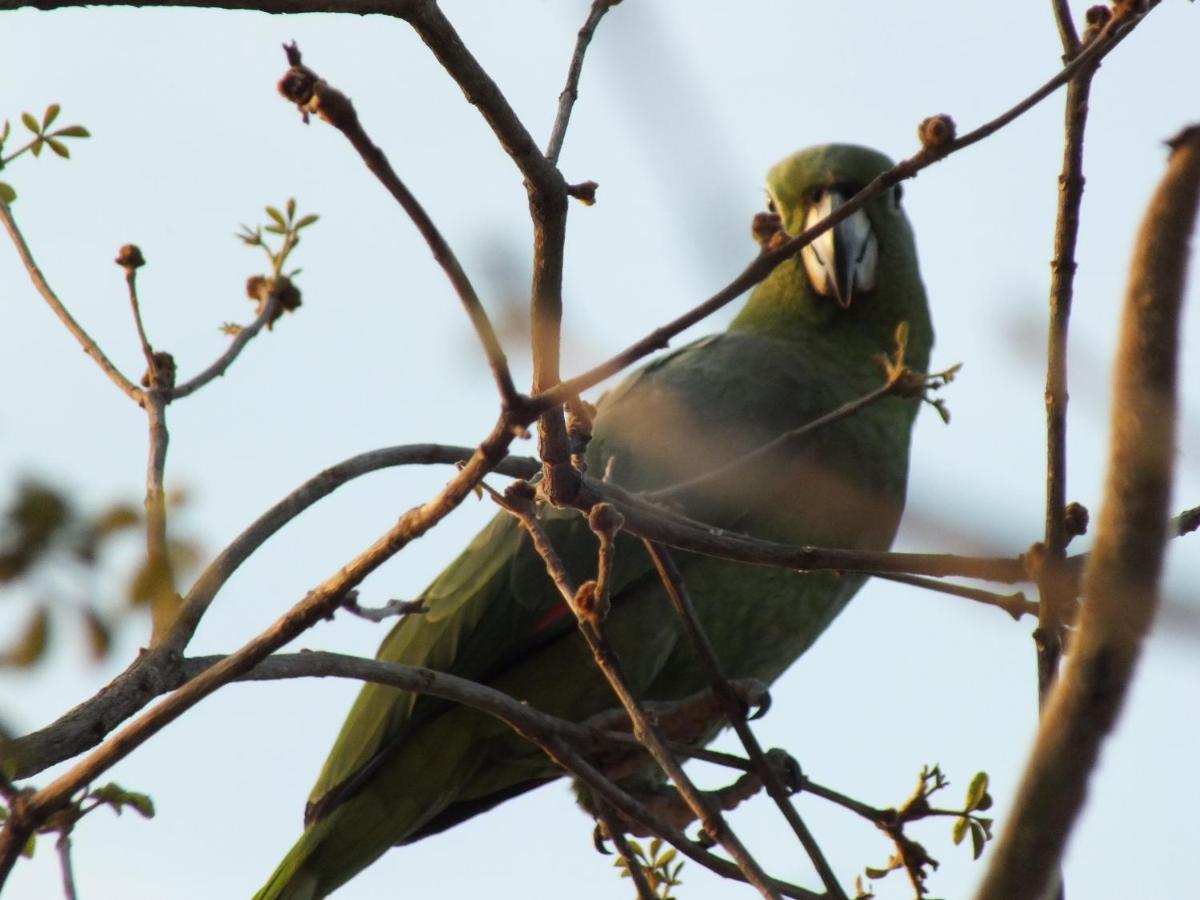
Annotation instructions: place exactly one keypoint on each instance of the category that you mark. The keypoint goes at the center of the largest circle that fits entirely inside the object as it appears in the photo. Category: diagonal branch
(1115, 31)
(589, 610)
(1121, 580)
(312, 94)
(34, 809)
(570, 93)
(672, 580)
(90, 347)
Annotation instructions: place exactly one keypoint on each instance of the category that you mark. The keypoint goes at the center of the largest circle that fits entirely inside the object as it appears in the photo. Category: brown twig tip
(1189, 134)
(767, 230)
(605, 519)
(162, 373)
(130, 257)
(584, 192)
(1097, 17)
(1075, 519)
(937, 133)
(312, 94)
(262, 290)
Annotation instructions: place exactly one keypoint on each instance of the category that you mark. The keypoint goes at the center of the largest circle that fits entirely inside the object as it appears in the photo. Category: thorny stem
(570, 93)
(676, 588)
(591, 627)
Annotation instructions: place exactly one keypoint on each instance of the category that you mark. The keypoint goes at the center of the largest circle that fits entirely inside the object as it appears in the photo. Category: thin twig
(1121, 580)
(245, 334)
(302, 86)
(758, 454)
(570, 93)
(1066, 28)
(1055, 584)
(590, 626)
(636, 873)
(1117, 29)
(90, 347)
(1015, 604)
(673, 582)
(63, 846)
(136, 308)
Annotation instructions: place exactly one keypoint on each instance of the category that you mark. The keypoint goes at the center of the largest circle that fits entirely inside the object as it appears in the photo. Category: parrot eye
(771, 206)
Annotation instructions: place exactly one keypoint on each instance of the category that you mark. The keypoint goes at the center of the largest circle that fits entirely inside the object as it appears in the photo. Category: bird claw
(787, 769)
(599, 840)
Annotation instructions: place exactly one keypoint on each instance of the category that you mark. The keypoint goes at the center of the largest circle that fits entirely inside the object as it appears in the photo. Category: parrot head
(806, 187)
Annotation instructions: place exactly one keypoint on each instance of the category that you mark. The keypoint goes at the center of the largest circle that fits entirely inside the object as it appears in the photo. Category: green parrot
(808, 340)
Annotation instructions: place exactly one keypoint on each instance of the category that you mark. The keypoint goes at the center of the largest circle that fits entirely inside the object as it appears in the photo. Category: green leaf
(30, 846)
(75, 131)
(36, 147)
(118, 798)
(31, 645)
(99, 637)
(960, 829)
(277, 216)
(291, 208)
(875, 874)
(978, 839)
(50, 115)
(305, 221)
(7, 194)
(59, 147)
(31, 123)
(666, 858)
(4, 131)
(275, 229)
(977, 790)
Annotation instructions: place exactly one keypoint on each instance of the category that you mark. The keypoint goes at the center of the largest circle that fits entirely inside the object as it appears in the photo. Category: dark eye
(771, 207)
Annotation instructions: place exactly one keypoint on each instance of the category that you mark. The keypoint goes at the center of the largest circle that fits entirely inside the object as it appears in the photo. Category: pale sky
(683, 107)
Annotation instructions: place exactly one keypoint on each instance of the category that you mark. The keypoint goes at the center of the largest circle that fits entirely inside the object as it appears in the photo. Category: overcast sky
(683, 107)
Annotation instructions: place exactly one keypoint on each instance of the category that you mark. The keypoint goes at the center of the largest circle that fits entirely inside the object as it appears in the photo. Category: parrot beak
(842, 261)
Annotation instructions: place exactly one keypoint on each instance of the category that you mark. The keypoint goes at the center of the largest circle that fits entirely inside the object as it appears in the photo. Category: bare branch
(312, 94)
(90, 347)
(245, 334)
(1016, 604)
(589, 611)
(1112, 34)
(1066, 28)
(63, 846)
(1055, 584)
(319, 604)
(672, 580)
(1121, 580)
(570, 93)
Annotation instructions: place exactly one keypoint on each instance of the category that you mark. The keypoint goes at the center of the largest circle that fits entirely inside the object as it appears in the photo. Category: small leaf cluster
(111, 795)
(978, 800)
(261, 288)
(657, 865)
(42, 137)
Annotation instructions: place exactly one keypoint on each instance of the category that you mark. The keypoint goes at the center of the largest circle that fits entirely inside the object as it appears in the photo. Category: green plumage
(406, 766)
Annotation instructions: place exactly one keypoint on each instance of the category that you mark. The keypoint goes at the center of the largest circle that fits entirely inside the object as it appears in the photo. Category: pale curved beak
(842, 262)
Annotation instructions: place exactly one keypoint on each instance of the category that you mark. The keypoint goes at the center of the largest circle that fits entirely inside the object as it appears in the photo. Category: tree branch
(90, 347)
(34, 809)
(570, 93)
(308, 91)
(1121, 580)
